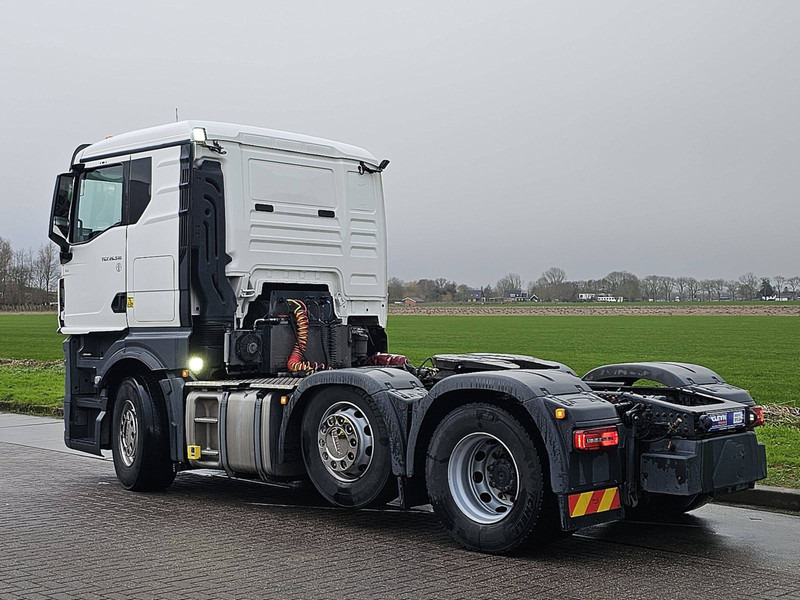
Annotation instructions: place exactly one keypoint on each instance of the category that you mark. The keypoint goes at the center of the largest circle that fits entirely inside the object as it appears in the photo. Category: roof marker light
(199, 135)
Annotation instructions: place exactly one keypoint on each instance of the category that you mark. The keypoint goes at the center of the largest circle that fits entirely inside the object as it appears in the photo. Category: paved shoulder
(69, 530)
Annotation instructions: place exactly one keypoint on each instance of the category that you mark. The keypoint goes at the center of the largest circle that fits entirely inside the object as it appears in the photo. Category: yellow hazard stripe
(608, 498)
(582, 505)
(596, 501)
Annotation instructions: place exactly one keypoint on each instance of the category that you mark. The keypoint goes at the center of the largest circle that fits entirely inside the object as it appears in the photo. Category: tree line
(553, 286)
(28, 277)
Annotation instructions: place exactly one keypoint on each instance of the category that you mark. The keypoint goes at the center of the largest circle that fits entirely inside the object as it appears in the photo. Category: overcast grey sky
(657, 137)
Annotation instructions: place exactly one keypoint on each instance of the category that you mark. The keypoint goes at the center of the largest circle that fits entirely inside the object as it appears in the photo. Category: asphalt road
(68, 530)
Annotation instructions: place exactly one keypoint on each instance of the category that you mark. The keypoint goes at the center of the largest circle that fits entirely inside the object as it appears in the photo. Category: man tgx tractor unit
(224, 293)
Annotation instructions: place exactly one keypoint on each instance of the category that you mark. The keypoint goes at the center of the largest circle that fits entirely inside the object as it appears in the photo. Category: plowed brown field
(770, 310)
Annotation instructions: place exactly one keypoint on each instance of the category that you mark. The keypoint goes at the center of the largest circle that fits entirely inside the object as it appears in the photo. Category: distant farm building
(475, 296)
(412, 300)
(515, 296)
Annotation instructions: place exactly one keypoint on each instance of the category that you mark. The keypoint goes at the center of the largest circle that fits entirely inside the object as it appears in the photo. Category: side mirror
(61, 210)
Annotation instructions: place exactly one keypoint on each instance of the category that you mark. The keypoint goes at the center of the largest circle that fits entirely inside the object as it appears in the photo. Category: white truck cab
(297, 210)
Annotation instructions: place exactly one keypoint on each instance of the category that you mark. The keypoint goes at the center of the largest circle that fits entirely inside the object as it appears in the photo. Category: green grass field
(30, 336)
(758, 353)
(31, 340)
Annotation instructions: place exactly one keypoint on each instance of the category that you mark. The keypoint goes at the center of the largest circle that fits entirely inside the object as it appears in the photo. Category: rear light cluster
(595, 439)
(755, 416)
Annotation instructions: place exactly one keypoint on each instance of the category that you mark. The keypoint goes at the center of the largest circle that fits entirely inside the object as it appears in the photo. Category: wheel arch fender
(521, 392)
(145, 365)
(385, 386)
(123, 365)
(673, 375)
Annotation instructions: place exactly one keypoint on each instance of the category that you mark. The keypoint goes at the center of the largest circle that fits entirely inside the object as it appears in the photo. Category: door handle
(118, 303)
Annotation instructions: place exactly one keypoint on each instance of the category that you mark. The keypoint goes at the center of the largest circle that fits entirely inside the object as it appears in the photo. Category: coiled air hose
(297, 362)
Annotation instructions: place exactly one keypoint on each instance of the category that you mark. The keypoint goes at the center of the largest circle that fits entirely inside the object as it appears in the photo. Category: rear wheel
(346, 449)
(485, 480)
(141, 437)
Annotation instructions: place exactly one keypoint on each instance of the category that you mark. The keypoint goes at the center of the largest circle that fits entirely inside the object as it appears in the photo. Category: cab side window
(99, 202)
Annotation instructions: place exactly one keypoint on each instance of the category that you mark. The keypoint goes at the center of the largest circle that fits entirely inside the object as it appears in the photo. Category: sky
(654, 137)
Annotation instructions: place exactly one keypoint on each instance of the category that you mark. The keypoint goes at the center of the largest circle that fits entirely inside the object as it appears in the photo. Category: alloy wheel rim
(345, 441)
(483, 478)
(128, 433)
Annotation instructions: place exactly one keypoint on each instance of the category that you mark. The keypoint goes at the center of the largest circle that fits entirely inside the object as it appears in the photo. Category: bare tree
(706, 288)
(21, 276)
(779, 281)
(511, 281)
(553, 285)
(692, 287)
(682, 283)
(748, 286)
(794, 283)
(733, 288)
(651, 287)
(623, 283)
(718, 287)
(6, 257)
(667, 284)
(45, 271)
(555, 275)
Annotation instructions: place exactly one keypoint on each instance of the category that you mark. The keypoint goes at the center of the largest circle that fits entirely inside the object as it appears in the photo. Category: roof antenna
(176, 114)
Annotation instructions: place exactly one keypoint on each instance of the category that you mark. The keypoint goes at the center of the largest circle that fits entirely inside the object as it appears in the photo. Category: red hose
(296, 362)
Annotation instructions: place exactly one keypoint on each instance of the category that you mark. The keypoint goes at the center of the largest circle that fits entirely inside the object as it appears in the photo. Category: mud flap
(591, 507)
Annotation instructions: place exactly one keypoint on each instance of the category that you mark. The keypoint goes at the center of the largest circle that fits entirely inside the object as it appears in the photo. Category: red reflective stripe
(573, 501)
(594, 503)
(589, 503)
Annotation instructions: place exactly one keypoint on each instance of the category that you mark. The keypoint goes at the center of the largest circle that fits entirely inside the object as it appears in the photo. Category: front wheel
(485, 479)
(141, 437)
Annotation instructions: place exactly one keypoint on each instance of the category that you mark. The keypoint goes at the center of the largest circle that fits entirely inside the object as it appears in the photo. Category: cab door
(94, 296)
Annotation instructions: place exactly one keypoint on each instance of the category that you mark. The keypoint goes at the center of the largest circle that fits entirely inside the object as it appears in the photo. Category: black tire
(521, 522)
(548, 528)
(657, 505)
(373, 485)
(142, 461)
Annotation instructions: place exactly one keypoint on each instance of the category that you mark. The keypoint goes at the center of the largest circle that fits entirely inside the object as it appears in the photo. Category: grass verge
(783, 458)
(30, 383)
